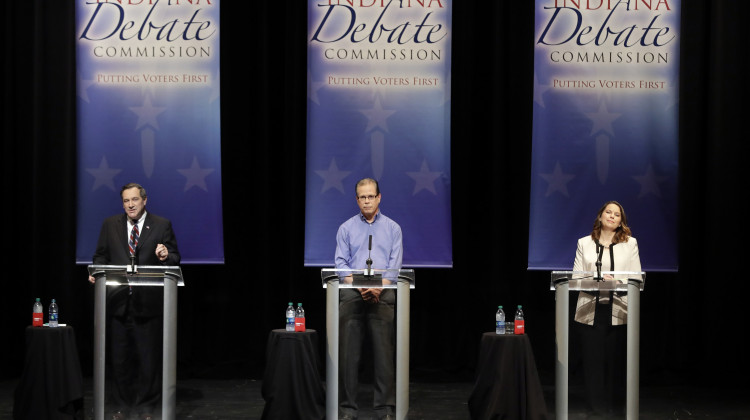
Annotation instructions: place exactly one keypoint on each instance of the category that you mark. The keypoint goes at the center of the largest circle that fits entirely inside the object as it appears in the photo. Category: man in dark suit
(135, 323)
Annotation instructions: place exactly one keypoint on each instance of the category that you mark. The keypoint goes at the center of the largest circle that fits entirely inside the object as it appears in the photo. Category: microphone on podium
(131, 268)
(368, 271)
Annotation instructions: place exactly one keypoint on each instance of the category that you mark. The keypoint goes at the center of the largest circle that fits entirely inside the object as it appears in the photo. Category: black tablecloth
(292, 387)
(507, 382)
(51, 385)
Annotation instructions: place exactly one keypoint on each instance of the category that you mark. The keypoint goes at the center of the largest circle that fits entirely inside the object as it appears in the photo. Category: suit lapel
(146, 229)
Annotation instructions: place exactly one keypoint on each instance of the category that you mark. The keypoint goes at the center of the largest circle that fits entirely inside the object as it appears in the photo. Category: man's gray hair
(134, 185)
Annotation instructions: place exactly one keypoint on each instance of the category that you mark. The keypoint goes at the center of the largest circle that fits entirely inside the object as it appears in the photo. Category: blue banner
(148, 112)
(379, 107)
(605, 125)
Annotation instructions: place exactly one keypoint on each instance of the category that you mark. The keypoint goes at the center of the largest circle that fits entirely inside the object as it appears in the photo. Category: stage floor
(241, 399)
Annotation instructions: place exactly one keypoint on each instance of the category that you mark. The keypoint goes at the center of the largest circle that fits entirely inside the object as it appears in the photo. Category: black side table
(292, 386)
(51, 385)
(507, 382)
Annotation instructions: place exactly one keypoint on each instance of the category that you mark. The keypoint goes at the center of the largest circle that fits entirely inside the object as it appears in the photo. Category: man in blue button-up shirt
(370, 308)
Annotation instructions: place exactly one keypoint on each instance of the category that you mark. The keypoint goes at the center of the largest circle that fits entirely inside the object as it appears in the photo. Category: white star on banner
(424, 179)
(539, 90)
(195, 175)
(313, 88)
(649, 182)
(332, 177)
(103, 175)
(377, 116)
(558, 181)
(83, 86)
(147, 114)
(603, 120)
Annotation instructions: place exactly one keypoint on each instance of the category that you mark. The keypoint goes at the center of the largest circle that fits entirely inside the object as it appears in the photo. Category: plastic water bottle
(53, 311)
(519, 322)
(37, 319)
(290, 317)
(299, 318)
(500, 321)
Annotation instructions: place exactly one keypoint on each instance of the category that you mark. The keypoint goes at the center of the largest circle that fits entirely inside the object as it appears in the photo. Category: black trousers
(603, 350)
(357, 317)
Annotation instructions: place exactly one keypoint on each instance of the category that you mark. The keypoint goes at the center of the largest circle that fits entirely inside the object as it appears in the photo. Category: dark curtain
(690, 318)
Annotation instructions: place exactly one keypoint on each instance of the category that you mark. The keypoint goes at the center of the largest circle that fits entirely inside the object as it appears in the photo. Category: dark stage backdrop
(691, 319)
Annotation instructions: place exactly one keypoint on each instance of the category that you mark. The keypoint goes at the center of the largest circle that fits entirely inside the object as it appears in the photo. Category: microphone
(368, 272)
(600, 251)
(133, 267)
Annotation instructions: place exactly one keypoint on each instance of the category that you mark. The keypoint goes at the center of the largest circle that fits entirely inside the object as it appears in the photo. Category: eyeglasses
(366, 197)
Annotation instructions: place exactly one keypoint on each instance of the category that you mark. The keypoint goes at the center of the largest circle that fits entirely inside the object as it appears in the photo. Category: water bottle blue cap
(500, 307)
(37, 299)
(53, 301)
(299, 304)
(519, 306)
(290, 303)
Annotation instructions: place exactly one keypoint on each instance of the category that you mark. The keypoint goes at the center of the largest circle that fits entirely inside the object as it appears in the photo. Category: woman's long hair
(622, 233)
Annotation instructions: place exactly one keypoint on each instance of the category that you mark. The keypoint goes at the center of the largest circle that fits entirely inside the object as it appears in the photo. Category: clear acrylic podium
(168, 277)
(563, 282)
(403, 282)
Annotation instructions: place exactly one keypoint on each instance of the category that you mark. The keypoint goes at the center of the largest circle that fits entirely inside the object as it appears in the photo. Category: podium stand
(168, 277)
(563, 282)
(403, 282)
